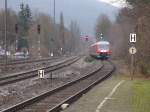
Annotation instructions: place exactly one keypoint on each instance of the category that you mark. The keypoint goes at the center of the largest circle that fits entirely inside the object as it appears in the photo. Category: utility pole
(54, 25)
(54, 10)
(5, 35)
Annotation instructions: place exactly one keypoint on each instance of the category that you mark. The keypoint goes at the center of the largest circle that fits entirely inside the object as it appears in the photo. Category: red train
(101, 50)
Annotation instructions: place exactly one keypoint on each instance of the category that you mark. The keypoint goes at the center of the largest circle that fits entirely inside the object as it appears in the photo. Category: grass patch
(141, 96)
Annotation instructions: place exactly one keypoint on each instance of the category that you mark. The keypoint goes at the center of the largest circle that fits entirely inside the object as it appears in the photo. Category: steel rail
(76, 96)
(13, 62)
(33, 73)
(52, 100)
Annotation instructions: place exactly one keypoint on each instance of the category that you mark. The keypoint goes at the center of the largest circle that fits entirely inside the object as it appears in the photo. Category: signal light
(38, 29)
(110, 52)
(16, 28)
(86, 39)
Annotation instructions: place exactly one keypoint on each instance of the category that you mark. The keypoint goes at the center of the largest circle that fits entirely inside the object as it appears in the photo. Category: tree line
(140, 14)
(135, 18)
(22, 34)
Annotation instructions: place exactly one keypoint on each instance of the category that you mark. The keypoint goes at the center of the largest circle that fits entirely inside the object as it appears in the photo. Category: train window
(104, 47)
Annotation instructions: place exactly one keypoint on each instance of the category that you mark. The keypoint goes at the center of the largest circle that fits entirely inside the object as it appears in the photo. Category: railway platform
(112, 95)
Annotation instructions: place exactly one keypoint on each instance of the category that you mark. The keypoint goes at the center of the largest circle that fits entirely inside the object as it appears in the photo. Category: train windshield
(104, 47)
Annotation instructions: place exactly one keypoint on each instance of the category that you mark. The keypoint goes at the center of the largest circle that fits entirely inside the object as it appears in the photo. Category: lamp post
(5, 34)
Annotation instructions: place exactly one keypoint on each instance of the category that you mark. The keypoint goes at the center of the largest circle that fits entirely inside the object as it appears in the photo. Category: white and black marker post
(41, 74)
(132, 51)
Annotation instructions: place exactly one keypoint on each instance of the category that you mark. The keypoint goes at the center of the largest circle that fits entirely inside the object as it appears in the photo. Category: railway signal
(87, 38)
(39, 29)
(101, 36)
(16, 31)
(84, 38)
(16, 28)
(39, 40)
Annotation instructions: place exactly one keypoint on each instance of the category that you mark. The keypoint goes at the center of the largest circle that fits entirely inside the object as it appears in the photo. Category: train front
(103, 50)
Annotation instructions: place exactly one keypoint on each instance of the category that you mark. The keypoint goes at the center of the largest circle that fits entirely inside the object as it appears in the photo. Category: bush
(88, 59)
(144, 70)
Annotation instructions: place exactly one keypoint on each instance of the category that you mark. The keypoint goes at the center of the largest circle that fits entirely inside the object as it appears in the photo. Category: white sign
(41, 73)
(132, 50)
(132, 37)
(52, 54)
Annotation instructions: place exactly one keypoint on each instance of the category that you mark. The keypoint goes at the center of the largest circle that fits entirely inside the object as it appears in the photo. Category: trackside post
(132, 51)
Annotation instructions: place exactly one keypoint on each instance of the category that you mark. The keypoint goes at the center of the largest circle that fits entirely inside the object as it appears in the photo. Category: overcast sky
(116, 3)
(85, 12)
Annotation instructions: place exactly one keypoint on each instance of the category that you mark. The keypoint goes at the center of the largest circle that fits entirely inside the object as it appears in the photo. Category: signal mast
(101, 36)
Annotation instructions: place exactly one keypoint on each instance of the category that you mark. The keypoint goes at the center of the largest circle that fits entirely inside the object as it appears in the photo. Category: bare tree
(46, 35)
(12, 19)
(102, 26)
(137, 20)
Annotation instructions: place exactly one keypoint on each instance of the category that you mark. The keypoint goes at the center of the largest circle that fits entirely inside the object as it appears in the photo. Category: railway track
(14, 62)
(33, 73)
(52, 100)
